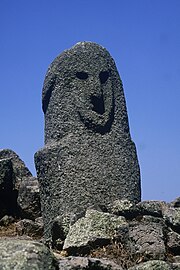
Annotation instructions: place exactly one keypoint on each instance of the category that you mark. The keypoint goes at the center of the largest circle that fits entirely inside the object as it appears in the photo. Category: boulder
(6, 220)
(175, 203)
(96, 228)
(30, 228)
(147, 238)
(26, 255)
(19, 191)
(8, 192)
(173, 242)
(172, 217)
(20, 171)
(153, 208)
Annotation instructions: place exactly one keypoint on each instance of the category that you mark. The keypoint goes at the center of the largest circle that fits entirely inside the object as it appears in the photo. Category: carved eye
(103, 76)
(82, 75)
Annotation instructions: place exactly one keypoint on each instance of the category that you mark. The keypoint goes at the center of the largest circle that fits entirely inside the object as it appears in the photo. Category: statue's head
(80, 87)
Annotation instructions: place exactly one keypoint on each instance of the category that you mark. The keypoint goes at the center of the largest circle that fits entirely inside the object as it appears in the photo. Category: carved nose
(98, 104)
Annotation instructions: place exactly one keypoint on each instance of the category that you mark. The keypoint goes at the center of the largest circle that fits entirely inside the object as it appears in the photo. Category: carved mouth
(98, 104)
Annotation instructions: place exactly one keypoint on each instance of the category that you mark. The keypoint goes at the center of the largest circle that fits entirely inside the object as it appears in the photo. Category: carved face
(80, 81)
(95, 102)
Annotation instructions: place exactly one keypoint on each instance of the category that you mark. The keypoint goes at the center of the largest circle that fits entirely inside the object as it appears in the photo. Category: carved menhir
(89, 157)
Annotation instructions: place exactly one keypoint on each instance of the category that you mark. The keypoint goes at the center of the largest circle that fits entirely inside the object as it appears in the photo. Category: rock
(152, 265)
(6, 172)
(24, 254)
(175, 263)
(122, 208)
(8, 194)
(20, 171)
(12, 173)
(172, 217)
(175, 266)
(173, 242)
(147, 238)
(80, 263)
(30, 228)
(29, 199)
(153, 208)
(176, 259)
(89, 157)
(175, 203)
(95, 228)
(6, 220)
(130, 210)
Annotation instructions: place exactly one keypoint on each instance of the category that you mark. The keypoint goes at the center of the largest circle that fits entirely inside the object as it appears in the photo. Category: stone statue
(89, 159)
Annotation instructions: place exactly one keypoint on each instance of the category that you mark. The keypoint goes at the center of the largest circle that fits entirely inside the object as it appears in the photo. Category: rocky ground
(123, 236)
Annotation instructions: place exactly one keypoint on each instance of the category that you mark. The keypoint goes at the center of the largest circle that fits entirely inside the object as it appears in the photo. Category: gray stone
(131, 210)
(80, 263)
(20, 171)
(29, 199)
(89, 157)
(25, 255)
(175, 266)
(30, 228)
(8, 194)
(152, 265)
(147, 238)
(176, 259)
(6, 220)
(175, 203)
(95, 228)
(122, 208)
(173, 242)
(19, 191)
(172, 217)
(12, 173)
(153, 208)
(5, 173)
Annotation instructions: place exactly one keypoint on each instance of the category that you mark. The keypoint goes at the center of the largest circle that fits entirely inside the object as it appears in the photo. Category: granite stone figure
(89, 159)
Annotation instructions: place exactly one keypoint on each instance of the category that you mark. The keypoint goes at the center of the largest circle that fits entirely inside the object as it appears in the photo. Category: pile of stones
(123, 235)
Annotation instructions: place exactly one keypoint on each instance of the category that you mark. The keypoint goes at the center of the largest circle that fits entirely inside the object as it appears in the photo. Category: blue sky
(142, 36)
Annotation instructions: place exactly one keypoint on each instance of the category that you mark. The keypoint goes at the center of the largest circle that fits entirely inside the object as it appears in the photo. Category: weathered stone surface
(6, 220)
(175, 266)
(147, 238)
(175, 203)
(12, 173)
(95, 227)
(153, 208)
(30, 228)
(152, 265)
(80, 263)
(173, 242)
(29, 199)
(20, 171)
(176, 259)
(5, 173)
(89, 157)
(25, 255)
(19, 191)
(122, 208)
(172, 217)
(8, 194)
